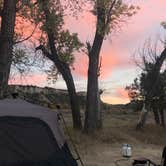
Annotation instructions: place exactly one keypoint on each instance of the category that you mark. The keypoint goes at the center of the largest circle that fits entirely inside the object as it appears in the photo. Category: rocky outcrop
(46, 96)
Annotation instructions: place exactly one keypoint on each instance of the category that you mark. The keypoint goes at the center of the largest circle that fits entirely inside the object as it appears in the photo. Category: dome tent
(30, 135)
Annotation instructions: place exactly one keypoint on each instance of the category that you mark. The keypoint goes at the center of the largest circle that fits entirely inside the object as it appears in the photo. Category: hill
(50, 97)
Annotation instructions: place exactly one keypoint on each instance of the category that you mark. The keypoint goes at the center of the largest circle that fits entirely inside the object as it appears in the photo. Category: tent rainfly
(31, 136)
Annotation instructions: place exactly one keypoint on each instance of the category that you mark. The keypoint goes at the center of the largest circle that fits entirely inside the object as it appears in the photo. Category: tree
(8, 15)
(134, 91)
(109, 14)
(151, 83)
(9, 11)
(58, 47)
(62, 55)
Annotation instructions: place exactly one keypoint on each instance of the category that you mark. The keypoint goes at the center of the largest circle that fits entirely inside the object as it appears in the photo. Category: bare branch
(27, 38)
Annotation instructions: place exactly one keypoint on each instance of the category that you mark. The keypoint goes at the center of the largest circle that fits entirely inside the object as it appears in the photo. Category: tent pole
(70, 138)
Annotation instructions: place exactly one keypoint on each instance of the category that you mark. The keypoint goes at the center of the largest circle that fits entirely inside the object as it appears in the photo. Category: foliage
(65, 42)
(134, 90)
(20, 59)
(52, 74)
(142, 86)
(115, 12)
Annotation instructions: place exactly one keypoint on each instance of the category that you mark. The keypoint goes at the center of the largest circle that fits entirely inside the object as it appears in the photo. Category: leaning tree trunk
(63, 68)
(6, 42)
(74, 102)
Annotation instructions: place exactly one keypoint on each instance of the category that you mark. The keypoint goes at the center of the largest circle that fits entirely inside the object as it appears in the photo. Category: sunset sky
(118, 68)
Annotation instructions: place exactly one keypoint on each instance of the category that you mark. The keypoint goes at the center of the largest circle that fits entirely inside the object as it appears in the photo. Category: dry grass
(104, 147)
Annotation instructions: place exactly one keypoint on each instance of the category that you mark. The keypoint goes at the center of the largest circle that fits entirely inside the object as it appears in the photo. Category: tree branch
(109, 13)
(89, 47)
(26, 37)
(23, 4)
(45, 52)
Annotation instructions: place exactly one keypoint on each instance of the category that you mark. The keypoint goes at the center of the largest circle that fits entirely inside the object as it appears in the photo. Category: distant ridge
(46, 96)
(50, 97)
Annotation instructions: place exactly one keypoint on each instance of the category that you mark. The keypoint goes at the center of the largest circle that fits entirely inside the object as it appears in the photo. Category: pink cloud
(118, 52)
(33, 79)
(107, 63)
(26, 28)
(120, 92)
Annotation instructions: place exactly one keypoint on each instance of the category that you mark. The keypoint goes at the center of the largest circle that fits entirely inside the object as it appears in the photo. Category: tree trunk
(64, 69)
(162, 116)
(154, 107)
(99, 115)
(74, 102)
(93, 118)
(6, 43)
(156, 116)
(143, 117)
(93, 114)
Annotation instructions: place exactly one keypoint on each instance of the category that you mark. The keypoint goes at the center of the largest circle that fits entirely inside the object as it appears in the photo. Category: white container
(126, 150)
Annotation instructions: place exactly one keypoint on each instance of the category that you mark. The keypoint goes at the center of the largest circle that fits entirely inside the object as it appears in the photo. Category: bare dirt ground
(104, 147)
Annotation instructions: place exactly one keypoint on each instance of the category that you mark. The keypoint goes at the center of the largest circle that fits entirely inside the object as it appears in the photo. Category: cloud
(117, 50)
(115, 96)
(114, 100)
(122, 93)
(25, 28)
(37, 79)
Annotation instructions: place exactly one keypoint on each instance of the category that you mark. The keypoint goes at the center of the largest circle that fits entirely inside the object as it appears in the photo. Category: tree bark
(6, 43)
(143, 117)
(93, 118)
(162, 116)
(156, 116)
(154, 107)
(74, 102)
(93, 114)
(64, 69)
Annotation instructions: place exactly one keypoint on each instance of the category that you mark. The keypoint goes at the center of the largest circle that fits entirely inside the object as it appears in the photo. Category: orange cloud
(114, 100)
(117, 96)
(122, 93)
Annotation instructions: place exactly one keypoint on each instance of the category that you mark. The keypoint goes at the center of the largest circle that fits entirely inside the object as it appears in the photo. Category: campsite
(82, 83)
(104, 147)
